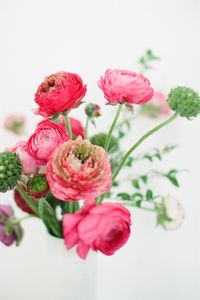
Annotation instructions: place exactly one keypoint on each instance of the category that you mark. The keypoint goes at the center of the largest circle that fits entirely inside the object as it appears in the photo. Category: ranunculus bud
(19, 200)
(100, 138)
(92, 110)
(37, 186)
(10, 229)
(10, 170)
(184, 101)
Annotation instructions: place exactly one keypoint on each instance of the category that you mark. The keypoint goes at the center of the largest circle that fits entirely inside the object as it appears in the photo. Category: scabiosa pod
(79, 170)
(59, 93)
(10, 170)
(184, 101)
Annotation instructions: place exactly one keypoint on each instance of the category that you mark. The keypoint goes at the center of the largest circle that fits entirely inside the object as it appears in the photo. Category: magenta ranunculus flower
(79, 170)
(28, 162)
(121, 86)
(45, 140)
(6, 212)
(104, 228)
(58, 93)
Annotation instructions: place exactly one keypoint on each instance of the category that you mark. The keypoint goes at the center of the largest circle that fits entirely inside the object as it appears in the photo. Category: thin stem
(107, 142)
(27, 199)
(17, 221)
(86, 127)
(68, 125)
(144, 137)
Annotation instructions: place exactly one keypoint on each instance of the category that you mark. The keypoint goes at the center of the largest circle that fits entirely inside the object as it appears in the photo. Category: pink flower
(15, 123)
(45, 140)
(121, 86)
(79, 170)
(104, 228)
(58, 93)
(29, 163)
(159, 100)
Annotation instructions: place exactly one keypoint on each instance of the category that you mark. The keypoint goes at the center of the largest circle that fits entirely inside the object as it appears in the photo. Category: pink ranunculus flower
(46, 138)
(58, 93)
(121, 86)
(79, 170)
(77, 127)
(160, 101)
(28, 162)
(15, 123)
(104, 228)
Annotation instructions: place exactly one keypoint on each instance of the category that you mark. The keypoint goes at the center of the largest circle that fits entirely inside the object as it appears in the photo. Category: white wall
(87, 37)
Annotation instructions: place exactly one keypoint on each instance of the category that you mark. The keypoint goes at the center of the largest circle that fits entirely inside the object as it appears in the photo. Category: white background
(41, 37)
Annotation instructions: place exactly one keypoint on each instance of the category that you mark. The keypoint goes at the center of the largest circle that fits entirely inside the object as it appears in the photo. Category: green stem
(107, 142)
(86, 127)
(68, 125)
(144, 137)
(27, 199)
(17, 221)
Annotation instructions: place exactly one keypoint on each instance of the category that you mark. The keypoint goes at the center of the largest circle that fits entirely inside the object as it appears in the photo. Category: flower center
(82, 153)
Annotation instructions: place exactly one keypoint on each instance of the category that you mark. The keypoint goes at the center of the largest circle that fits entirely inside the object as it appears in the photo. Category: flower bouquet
(66, 177)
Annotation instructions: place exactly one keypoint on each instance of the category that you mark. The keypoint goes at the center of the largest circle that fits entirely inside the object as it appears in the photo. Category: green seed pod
(184, 101)
(10, 170)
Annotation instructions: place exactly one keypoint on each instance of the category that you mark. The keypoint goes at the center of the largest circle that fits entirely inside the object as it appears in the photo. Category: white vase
(42, 269)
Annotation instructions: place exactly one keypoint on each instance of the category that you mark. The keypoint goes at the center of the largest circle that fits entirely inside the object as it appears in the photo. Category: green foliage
(48, 215)
(146, 60)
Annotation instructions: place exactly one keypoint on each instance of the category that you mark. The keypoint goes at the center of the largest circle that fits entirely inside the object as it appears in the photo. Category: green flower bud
(10, 170)
(100, 138)
(184, 101)
(92, 110)
(37, 186)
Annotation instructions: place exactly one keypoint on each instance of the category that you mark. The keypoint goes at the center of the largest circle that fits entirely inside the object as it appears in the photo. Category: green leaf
(121, 134)
(149, 157)
(48, 215)
(135, 183)
(149, 195)
(129, 162)
(173, 180)
(137, 196)
(138, 203)
(144, 178)
(124, 196)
